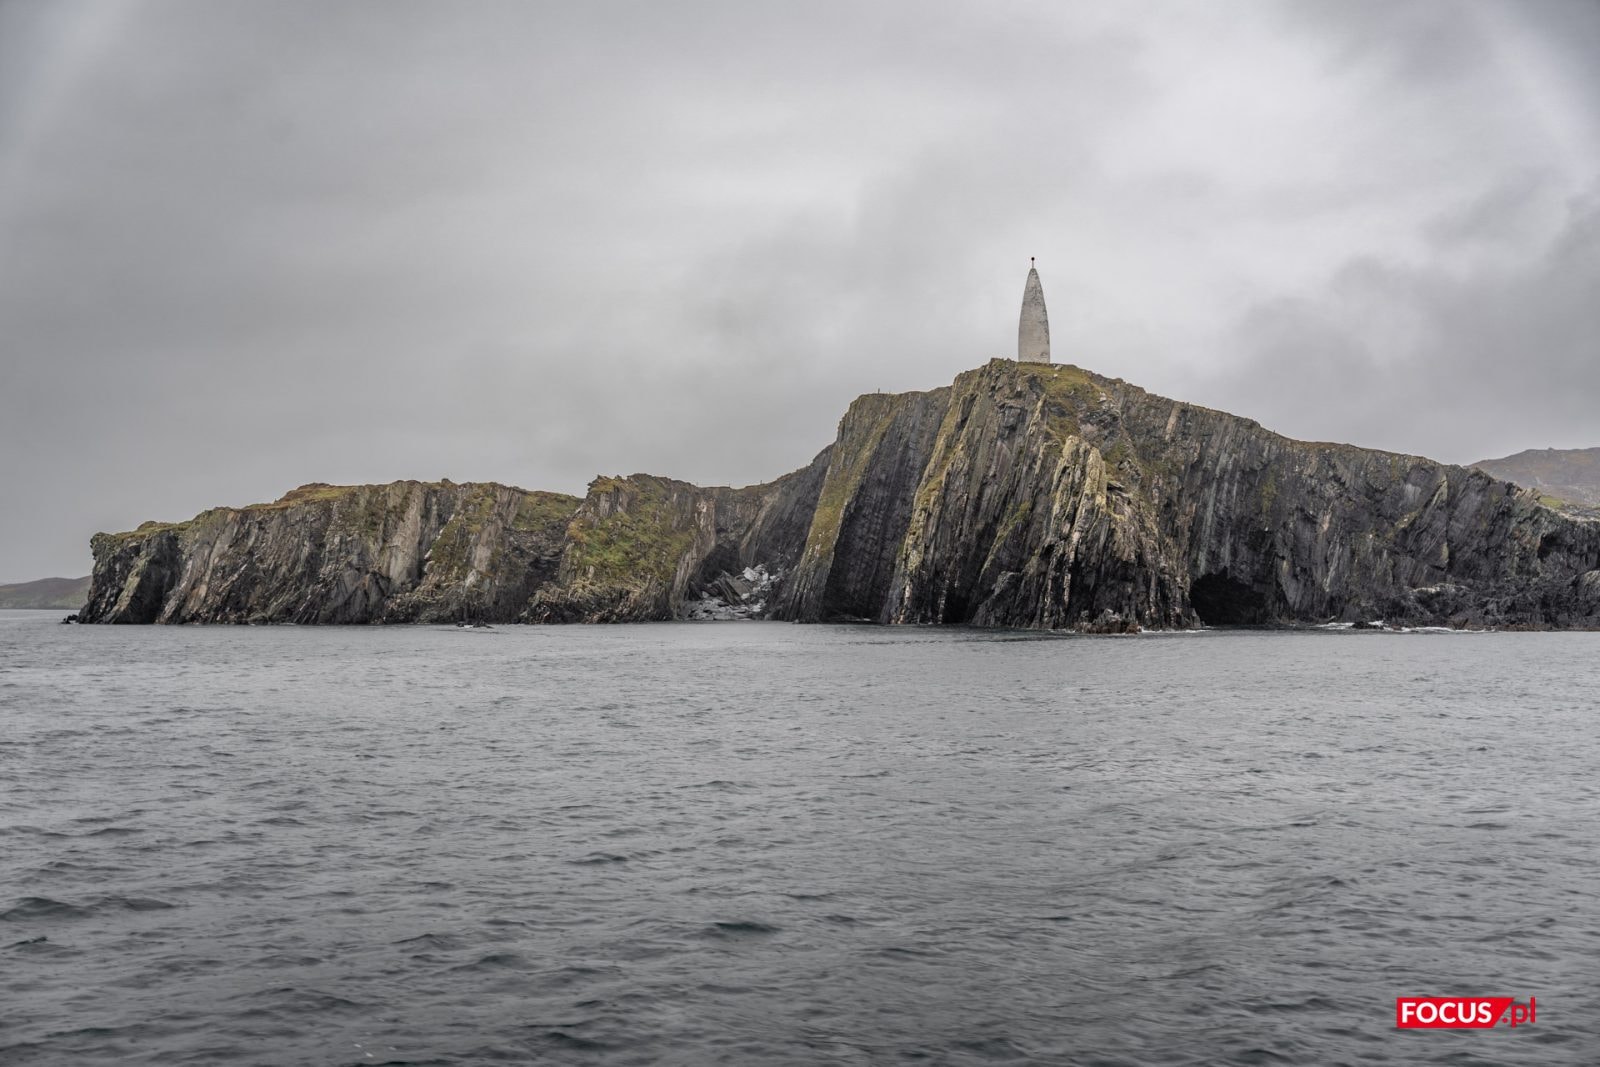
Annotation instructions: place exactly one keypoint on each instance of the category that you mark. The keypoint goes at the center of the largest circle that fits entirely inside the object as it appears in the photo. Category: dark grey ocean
(747, 843)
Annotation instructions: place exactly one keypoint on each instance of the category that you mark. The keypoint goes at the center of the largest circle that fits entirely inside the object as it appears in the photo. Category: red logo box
(1460, 1013)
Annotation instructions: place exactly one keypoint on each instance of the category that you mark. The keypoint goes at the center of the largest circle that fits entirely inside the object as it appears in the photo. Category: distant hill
(1570, 475)
(69, 593)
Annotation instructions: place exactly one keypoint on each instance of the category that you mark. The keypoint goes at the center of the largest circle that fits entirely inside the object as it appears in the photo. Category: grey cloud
(1459, 364)
(249, 245)
(1499, 216)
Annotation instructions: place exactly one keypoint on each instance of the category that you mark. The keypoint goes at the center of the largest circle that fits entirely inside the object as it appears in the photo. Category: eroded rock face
(408, 551)
(640, 547)
(863, 504)
(1048, 497)
(1022, 495)
(634, 549)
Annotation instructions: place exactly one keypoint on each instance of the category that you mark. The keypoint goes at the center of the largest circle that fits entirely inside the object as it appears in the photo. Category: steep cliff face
(634, 549)
(408, 551)
(862, 507)
(1040, 496)
(640, 546)
(1024, 494)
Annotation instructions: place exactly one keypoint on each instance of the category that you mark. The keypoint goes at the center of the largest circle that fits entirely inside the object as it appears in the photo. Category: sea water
(759, 843)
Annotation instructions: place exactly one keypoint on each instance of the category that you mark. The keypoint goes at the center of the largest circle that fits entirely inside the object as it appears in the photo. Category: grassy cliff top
(538, 507)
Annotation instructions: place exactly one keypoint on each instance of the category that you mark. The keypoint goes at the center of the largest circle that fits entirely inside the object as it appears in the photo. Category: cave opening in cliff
(1223, 601)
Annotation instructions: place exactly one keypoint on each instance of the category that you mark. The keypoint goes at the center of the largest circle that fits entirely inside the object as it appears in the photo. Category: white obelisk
(1033, 331)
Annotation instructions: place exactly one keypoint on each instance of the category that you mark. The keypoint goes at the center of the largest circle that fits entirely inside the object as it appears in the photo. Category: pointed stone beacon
(1033, 332)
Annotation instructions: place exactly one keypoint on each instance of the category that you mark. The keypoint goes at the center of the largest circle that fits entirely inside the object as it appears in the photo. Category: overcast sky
(245, 246)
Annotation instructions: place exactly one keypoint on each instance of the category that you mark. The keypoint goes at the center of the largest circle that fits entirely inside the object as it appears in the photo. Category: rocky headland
(1022, 495)
(1567, 479)
(45, 593)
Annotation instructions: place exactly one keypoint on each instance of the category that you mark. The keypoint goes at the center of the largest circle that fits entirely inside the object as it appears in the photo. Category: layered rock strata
(1049, 497)
(1022, 495)
(404, 552)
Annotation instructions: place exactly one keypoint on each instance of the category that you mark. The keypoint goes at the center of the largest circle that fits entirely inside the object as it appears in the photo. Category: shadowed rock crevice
(1221, 601)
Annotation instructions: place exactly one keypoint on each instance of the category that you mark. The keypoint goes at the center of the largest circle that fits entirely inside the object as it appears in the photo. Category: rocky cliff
(639, 547)
(1050, 497)
(1022, 495)
(634, 549)
(409, 551)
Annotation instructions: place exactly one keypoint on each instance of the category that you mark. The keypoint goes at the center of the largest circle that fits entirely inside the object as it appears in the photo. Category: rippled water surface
(770, 844)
